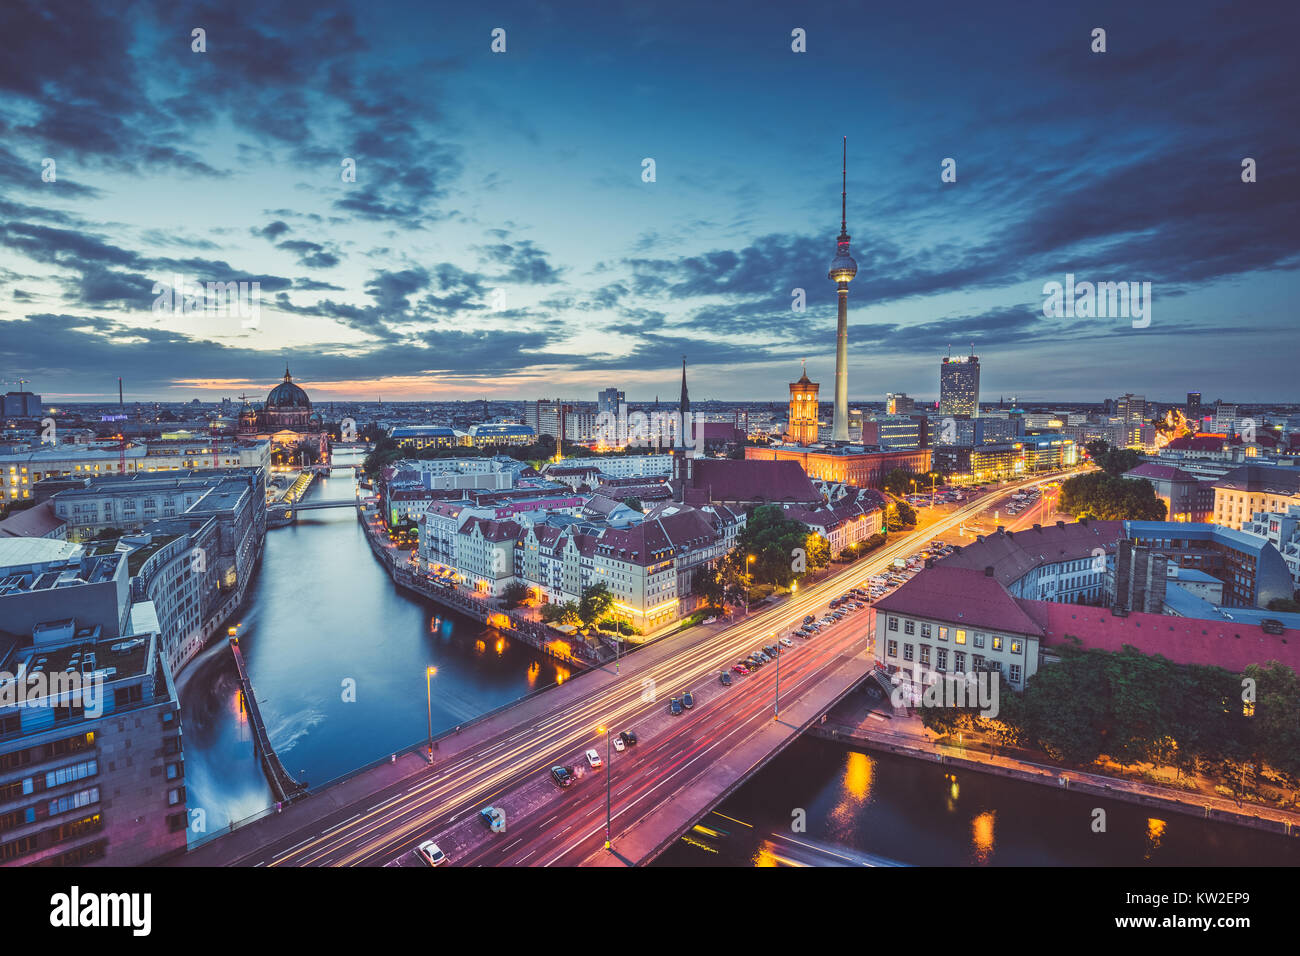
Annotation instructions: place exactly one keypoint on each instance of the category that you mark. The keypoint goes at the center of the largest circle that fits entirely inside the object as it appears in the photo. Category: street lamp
(749, 580)
(608, 768)
(428, 693)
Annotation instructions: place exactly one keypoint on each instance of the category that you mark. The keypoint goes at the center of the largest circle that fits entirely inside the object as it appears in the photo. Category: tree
(595, 604)
(566, 613)
(1109, 498)
(1113, 461)
(899, 515)
(899, 482)
(782, 548)
(514, 593)
(633, 503)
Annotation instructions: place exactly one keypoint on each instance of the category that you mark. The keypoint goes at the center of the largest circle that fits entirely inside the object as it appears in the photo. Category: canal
(337, 658)
(858, 808)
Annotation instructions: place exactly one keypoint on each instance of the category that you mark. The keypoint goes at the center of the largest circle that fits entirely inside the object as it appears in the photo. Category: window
(893, 623)
(941, 657)
(891, 648)
(925, 654)
(907, 652)
(997, 642)
(909, 627)
(959, 660)
(979, 640)
(959, 636)
(1015, 673)
(1015, 647)
(925, 630)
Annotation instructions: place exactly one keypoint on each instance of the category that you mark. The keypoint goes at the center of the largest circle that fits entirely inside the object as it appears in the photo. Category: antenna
(844, 189)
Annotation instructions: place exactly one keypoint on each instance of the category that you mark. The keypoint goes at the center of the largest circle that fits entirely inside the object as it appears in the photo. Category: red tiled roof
(1158, 472)
(754, 480)
(1184, 640)
(1012, 555)
(960, 596)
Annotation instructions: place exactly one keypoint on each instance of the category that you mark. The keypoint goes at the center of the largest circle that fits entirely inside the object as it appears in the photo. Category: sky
(501, 238)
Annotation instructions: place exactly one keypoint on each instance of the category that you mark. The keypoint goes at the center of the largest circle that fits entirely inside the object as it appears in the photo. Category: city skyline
(500, 241)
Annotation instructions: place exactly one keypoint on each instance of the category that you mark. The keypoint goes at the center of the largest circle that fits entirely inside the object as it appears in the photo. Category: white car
(593, 758)
(786, 642)
(428, 852)
(618, 744)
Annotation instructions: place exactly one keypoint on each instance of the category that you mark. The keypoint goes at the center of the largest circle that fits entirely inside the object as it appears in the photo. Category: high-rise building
(1193, 406)
(898, 403)
(91, 767)
(802, 429)
(608, 400)
(959, 386)
(20, 405)
(842, 271)
(1131, 408)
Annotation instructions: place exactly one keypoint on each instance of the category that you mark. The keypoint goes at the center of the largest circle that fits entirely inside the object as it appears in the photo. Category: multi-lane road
(506, 763)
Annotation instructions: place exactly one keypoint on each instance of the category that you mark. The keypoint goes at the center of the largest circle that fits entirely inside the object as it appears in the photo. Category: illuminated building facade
(862, 469)
(959, 386)
(802, 429)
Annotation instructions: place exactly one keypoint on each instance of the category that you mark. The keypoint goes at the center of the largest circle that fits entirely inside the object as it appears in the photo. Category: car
(724, 679)
(593, 759)
(809, 619)
(488, 815)
(428, 852)
(740, 668)
(786, 642)
(562, 775)
(688, 701)
(629, 737)
(675, 707)
(618, 744)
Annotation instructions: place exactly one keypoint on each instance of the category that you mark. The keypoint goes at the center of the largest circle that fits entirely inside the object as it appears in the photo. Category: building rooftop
(1012, 555)
(960, 596)
(23, 552)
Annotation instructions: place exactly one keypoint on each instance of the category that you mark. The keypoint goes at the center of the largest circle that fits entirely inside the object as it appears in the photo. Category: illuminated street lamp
(749, 580)
(776, 709)
(608, 790)
(428, 692)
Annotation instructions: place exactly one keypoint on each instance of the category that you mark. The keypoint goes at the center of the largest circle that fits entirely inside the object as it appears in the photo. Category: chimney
(988, 571)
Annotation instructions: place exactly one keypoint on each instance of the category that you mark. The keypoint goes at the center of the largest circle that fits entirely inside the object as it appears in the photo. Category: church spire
(686, 401)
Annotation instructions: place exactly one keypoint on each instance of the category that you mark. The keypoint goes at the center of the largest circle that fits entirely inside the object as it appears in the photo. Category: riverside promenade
(865, 722)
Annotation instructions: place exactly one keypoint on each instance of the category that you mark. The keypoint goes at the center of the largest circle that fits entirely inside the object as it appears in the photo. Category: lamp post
(608, 789)
(428, 693)
(749, 579)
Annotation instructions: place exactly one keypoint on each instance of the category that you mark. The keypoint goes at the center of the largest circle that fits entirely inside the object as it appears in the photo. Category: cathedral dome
(287, 395)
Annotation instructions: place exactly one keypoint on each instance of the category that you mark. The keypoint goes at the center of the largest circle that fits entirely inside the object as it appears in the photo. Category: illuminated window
(960, 637)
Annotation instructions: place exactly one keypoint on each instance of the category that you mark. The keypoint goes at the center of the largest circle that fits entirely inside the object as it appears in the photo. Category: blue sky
(519, 175)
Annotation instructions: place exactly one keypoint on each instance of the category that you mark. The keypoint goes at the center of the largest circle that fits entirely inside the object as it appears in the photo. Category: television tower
(842, 271)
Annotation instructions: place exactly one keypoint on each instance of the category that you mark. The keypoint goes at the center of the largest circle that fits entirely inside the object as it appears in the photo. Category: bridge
(280, 507)
(682, 767)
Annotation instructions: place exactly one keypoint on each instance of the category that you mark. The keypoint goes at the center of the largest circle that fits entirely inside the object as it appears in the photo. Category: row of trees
(900, 481)
(773, 551)
(1136, 708)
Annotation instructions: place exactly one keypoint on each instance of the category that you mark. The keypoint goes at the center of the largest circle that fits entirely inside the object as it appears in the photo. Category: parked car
(618, 744)
(786, 642)
(675, 707)
(629, 737)
(593, 759)
(740, 668)
(428, 852)
(561, 775)
(488, 816)
(724, 679)
(688, 701)
(809, 619)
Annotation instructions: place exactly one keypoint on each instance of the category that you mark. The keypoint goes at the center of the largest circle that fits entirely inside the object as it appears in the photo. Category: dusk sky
(522, 172)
